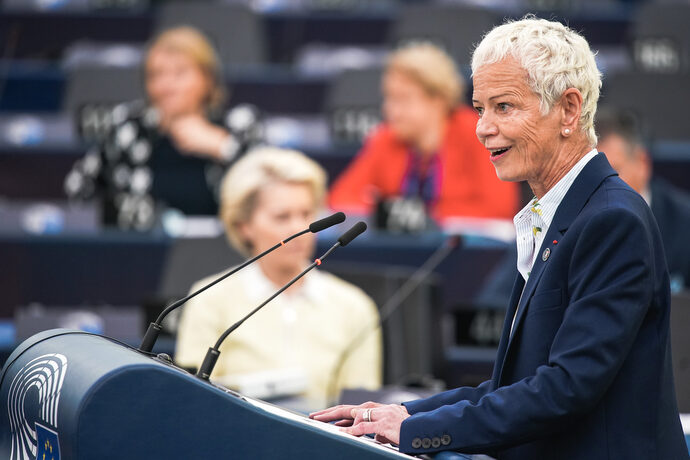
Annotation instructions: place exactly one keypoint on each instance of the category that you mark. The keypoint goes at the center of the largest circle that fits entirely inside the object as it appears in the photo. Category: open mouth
(499, 152)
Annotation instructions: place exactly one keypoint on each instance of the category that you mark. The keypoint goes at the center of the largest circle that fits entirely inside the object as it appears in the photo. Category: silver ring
(367, 415)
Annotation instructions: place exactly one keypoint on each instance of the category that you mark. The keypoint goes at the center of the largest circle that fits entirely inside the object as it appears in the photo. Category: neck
(280, 275)
(558, 166)
(431, 138)
(168, 119)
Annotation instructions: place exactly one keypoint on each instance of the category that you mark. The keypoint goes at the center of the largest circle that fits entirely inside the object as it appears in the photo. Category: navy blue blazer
(587, 372)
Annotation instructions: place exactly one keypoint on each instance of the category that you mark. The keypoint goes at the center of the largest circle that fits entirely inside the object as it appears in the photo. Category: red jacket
(468, 182)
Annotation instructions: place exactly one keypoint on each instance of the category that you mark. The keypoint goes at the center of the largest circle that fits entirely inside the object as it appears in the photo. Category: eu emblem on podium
(48, 446)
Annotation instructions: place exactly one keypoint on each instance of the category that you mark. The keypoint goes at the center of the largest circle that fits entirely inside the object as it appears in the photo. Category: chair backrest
(412, 338)
(92, 92)
(660, 37)
(42, 6)
(102, 85)
(455, 28)
(353, 104)
(658, 100)
(235, 30)
(680, 346)
(191, 259)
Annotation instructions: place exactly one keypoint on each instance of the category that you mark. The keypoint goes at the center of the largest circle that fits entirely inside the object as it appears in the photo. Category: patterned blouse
(137, 172)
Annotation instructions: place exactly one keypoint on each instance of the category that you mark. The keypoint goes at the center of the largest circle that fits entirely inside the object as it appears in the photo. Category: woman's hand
(383, 420)
(342, 415)
(195, 135)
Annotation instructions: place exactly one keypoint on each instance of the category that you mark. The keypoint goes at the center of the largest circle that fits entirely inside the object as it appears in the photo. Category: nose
(486, 127)
(299, 223)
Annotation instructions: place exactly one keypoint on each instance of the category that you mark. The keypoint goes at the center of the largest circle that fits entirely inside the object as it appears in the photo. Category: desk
(124, 268)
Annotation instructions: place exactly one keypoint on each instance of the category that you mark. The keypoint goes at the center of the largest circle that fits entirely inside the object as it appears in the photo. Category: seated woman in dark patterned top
(172, 150)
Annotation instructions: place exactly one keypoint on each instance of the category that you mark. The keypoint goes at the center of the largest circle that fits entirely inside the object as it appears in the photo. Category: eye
(282, 217)
(479, 110)
(503, 106)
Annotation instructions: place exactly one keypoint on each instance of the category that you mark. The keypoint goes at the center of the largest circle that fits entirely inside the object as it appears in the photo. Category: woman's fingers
(384, 421)
(344, 422)
(333, 413)
(343, 411)
(382, 439)
(362, 428)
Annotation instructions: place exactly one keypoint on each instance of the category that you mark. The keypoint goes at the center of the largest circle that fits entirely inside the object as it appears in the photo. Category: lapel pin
(545, 255)
(555, 241)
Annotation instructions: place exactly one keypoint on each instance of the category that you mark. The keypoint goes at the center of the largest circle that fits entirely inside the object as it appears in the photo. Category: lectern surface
(73, 395)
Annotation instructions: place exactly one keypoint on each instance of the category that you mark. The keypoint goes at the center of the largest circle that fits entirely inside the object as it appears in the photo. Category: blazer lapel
(589, 179)
(518, 285)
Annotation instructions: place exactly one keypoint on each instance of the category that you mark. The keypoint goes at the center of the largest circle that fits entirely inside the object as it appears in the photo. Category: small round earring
(567, 131)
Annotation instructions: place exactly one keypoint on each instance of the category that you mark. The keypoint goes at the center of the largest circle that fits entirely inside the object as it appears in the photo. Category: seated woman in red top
(426, 148)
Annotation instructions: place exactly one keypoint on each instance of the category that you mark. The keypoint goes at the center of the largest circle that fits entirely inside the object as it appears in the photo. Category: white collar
(534, 220)
(260, 288)
(552, 199)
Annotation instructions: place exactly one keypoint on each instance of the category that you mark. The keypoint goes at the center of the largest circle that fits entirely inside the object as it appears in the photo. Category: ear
(571, 108)
(645, 163)
(245, 231)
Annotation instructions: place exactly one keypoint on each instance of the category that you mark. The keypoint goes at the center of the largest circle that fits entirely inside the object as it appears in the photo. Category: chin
(507, 175)
(293, 268)
(402, 134)
(172, 109)
(293, 259)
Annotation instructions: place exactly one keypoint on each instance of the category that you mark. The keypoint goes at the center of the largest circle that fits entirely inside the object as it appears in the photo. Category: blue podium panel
(71, 395)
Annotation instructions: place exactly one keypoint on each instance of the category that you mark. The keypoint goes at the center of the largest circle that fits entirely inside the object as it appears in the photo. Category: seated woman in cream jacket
(266, 196)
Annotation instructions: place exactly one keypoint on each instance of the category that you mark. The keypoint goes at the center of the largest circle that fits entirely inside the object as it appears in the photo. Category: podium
(74, 395)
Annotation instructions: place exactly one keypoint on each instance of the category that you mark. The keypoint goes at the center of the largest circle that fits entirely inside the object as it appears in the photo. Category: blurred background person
(266, 196)
(621, 139)
(426, 149)
(171, 151)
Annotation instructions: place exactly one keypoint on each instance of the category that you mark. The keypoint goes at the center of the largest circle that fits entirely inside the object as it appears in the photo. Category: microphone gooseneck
(155, 327)
(213, 353)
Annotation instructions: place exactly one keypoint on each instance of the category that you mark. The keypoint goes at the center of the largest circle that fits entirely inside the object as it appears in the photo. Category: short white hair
(555, 58)
(257, 169)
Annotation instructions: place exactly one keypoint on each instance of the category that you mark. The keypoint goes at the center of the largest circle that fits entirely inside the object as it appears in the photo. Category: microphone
(213, 353)
(155, 327)
(351, 234)
(392, 305)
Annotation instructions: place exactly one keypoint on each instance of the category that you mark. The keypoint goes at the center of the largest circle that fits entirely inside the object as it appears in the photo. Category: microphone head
(326, 222)
(353, 233)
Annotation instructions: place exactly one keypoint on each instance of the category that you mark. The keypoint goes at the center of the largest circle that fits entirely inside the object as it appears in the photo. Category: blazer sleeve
(610, 281)
(445, 398)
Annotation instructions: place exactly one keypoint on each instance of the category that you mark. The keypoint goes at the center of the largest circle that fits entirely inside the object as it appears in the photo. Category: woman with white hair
(583, 368)
(298, 338)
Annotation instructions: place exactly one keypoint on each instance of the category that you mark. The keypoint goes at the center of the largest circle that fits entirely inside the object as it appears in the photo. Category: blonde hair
(555, 58)
(190, 42)
(257, 169)
(430, 67)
